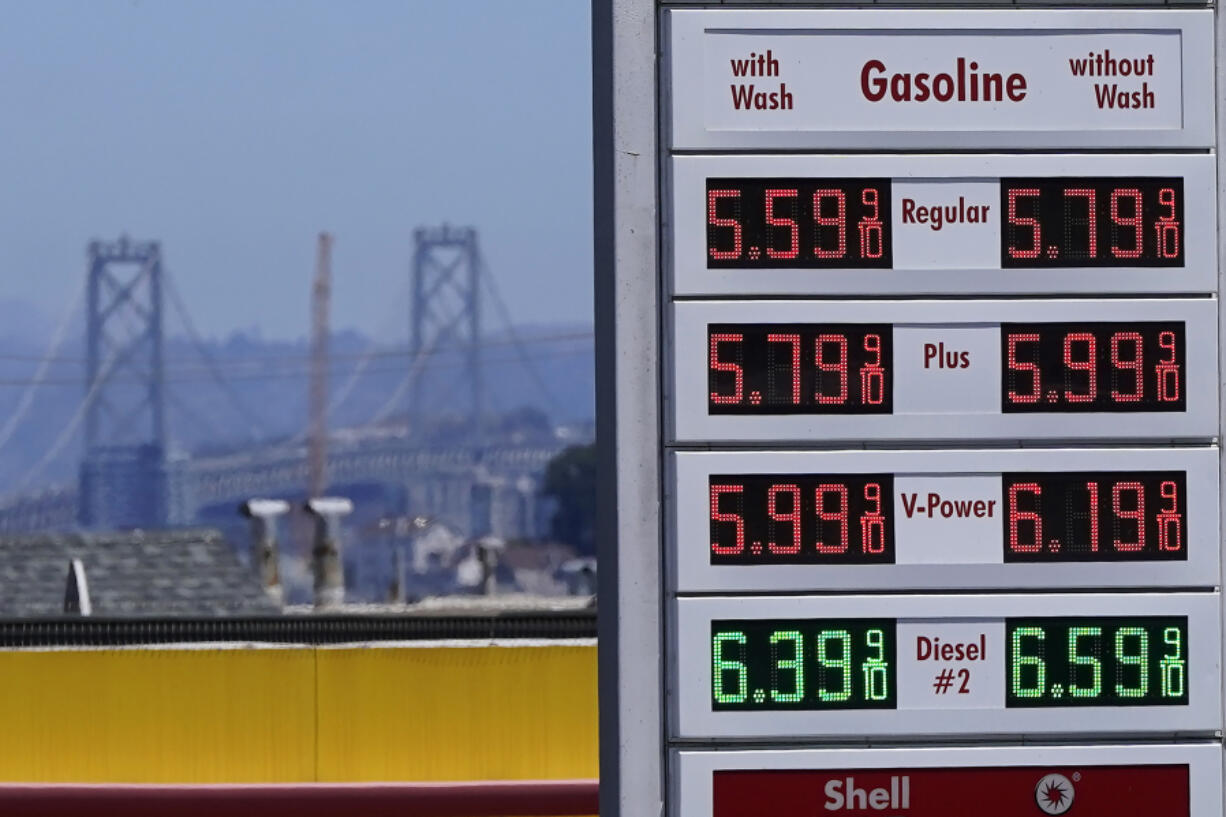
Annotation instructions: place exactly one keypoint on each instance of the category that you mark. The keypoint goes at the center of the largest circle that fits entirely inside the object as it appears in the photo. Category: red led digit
(872, 522)
(872, 345)
(719, 516)
(1091, 220)
(1167, 227)
(713, 220)
(1170, 523)
(872, 375)
(1167, 371)
(839, 492)
(1133, 221)
(718, 365)
(1086, 366)
(792, 516)
(1136, 364)
(838, 221)
(775, 221)
(1092, 490)
(1016, 365)
(872, 238)
(839, 366)
(1166, 198)
(794, 341)
(1024, 221)
(1017, 517)
(1137, 514)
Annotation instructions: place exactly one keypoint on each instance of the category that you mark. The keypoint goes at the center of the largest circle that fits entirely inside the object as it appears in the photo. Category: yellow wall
(298, 715)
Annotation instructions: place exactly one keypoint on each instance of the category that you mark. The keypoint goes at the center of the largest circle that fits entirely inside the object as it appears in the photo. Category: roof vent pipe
(326, 554)
(263, 514)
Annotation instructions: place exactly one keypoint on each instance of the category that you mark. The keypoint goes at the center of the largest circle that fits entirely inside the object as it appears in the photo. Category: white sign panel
(1174, 780)
(823, 667)
(974, 224)
(797, 521)
(978, 78)
(827, 371)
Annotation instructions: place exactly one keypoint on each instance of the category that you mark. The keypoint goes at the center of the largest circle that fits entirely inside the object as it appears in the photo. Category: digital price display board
(839, 663)
(859, 370)
(977, 224)
(748, 521)
(1174, 780)
(812, 667)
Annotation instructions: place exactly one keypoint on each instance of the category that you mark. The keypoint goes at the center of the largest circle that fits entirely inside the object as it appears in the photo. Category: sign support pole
(628, 526)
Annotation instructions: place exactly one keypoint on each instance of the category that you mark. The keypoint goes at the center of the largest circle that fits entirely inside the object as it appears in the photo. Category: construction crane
(321, 296)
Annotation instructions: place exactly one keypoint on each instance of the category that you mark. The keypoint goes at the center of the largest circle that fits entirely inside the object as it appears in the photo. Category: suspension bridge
(132, 475)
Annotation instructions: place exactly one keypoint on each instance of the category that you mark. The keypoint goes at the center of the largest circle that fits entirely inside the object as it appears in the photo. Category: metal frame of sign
(691, 423)
(686, 48)
(690, 275)
(693, 771)
(689, 517)
(691, 662)
(637, 116)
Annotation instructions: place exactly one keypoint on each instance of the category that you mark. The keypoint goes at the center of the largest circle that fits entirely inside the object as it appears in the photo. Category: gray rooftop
(184, 572)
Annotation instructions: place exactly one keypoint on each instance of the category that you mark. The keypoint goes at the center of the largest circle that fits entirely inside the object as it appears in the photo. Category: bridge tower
(446, 313)
(125, 480)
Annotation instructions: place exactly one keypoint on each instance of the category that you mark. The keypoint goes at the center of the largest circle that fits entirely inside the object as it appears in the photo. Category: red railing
(543, 798)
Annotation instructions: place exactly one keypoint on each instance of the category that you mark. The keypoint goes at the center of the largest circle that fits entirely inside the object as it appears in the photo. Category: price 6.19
(1095, 516)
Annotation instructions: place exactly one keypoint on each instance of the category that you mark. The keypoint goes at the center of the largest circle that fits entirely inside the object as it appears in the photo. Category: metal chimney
(263, 514)
(326, 554)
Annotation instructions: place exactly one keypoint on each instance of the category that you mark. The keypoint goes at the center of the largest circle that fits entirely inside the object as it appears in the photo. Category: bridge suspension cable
(44, 366)
(66, 434)
(492, 287)
(372, 351)
(415, 366)
(256, 428)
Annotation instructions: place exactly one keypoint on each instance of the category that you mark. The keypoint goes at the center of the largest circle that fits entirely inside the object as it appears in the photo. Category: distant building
(184, 572)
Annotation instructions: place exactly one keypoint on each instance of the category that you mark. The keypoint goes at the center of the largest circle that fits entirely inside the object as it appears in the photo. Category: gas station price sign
(944, 370)
(841, 519)
(800, 667)
(982, 224)
(815, 223)
(898, 519)
(824, 664)
(825, 520)
(848, 368)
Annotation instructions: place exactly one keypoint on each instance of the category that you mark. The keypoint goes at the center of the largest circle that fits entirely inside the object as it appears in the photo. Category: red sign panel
(1035, 791)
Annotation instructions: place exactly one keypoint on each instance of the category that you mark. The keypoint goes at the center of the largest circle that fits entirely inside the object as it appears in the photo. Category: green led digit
(842, 663)
(1075, 660)
(1020, 662)
(1140, 660)
(1173, 664)
(795, 664)
(720, 665)
(876, 674)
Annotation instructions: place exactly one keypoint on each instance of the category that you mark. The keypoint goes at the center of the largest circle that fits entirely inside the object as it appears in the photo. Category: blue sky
(234, 131)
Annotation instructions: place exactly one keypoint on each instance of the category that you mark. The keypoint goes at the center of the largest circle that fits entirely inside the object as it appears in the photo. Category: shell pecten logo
(1054, 794)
